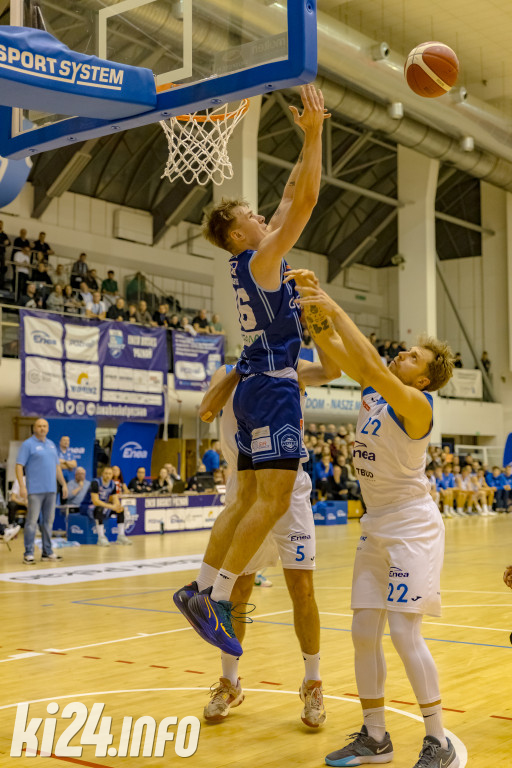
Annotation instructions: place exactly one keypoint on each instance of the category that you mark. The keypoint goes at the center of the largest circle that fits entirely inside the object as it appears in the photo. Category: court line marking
(460, 747)
(433, 623)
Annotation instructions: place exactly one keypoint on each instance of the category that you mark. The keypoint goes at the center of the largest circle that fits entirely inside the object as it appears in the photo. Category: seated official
(16, 503)
(201, 481)
(78, 488)
(163, 483)
(105, 500)
(139, 483)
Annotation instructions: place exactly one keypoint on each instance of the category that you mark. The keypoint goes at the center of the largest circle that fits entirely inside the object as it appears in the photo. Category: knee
(300, 586)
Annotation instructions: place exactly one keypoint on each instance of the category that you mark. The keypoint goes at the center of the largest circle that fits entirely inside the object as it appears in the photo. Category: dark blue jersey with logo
(103, 491)
(269, 320)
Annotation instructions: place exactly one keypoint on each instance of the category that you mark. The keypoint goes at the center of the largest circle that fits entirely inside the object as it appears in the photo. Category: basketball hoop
(198, 144)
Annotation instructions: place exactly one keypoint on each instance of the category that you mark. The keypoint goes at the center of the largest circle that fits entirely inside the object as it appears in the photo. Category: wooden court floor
(121, 642)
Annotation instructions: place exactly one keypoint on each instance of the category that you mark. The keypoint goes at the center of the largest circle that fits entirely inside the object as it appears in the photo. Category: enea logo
(133, 450)
(397, 573)
(115, 342)
(42, 337)
(358, 453)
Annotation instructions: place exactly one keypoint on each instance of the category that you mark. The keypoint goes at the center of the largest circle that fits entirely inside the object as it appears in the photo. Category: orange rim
(242, 109)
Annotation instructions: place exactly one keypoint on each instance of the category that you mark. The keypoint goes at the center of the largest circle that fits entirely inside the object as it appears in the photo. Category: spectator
(21, 242)
(160, 316)
(372, 338)
(336, 487)
(200, 322)
(22, 260)
(216, 325)
(92, 280)
(185, 326)
(136, 288)
(323, 471)
(41, 246)
(383, 349)
(40, 274)
(117, 477)
(78, 487)
(31, 299)
(55, 301)
(311, 429)
(163, 483)
(143, 315)
(139, 483)
(38, 457)
(109, 287)
(79, 271)
(132, 313)
(172, 472)
(485, 361)
(16, 503)
(67, 462)
(457, 361)
(105, 500)
(59, 276)
(118, 311)
(201, 481)
(174, 323)
(394, 350)
(95, 309)
(4, 242)
(211, 457)
(84, 293)
(72, 304)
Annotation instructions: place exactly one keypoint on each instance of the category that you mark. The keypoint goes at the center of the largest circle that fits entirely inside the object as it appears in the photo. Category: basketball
(431, 69)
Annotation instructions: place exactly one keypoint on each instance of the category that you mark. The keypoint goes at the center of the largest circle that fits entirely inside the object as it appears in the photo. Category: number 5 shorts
(268, 415)
(293, 536)
(399, 558)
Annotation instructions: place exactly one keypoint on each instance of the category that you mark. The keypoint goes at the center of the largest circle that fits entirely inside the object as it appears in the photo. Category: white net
(198, 144)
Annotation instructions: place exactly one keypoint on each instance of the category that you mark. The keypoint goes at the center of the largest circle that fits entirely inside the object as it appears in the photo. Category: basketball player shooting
(399, 558)
(267, 399)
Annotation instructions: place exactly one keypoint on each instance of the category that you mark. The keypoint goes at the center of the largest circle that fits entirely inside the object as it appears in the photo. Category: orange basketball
(431, 69)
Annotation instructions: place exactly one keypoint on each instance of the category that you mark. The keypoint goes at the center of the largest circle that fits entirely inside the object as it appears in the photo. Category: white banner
(43, 377)
(82, 342)
(103, 571)
(466, 384)
(83, 381)
(43, 337)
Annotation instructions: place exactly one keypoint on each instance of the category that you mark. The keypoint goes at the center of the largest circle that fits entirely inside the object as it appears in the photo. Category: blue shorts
(268, 414)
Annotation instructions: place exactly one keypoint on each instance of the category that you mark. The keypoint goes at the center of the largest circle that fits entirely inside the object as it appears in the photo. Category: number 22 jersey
(269, 320)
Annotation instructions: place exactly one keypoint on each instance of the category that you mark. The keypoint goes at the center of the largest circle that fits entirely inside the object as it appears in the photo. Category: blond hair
(440, 369)
(218, 221)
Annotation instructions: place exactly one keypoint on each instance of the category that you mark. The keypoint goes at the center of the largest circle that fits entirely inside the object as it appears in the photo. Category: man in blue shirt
(38, 457)
(67, 462)
(211, 458)
(78, 488)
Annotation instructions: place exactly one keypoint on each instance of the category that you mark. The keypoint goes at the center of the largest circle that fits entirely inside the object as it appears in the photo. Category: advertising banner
(89, 369)
(196, 358)
(81, 433)
(465, 384)
(133, 448)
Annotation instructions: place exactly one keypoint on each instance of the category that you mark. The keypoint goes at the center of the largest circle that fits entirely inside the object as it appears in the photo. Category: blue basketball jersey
(269, 320)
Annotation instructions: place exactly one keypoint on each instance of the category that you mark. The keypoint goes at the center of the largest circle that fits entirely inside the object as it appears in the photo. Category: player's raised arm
(301, 192)
(215, 398)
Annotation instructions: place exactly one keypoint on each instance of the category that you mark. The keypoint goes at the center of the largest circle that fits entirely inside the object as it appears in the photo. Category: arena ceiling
(356, 218)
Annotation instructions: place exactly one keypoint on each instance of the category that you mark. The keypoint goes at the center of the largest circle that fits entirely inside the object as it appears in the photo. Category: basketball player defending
(293, 540)
(267, 399)
(399, 558)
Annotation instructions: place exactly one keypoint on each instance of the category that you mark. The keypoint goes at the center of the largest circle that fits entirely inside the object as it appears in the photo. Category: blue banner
(89, 369)
(196, 358)
(133, 448)
(81, 435)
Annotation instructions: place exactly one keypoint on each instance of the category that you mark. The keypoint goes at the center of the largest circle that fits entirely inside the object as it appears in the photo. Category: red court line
(267, 682)
(158, 666)
(351, 694)
(192, 671)
(446, 709)
(58, 653)
(75, 760)
(91, 657)
(120, 661)
(30, 650)
(501, 717)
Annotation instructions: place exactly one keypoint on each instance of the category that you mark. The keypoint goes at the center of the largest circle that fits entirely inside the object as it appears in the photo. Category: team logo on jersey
(289, 442)
(299, 536)
(362, 454)
(397, 573)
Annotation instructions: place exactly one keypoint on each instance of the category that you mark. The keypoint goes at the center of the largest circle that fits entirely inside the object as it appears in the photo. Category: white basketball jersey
(389, 465)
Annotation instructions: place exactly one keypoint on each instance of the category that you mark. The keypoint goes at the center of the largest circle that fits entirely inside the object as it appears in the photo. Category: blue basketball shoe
(212, 621)
(181, 599)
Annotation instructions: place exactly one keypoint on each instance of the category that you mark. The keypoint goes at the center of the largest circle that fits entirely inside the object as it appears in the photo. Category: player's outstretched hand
(314, 112)
(507, 576)
(304, 278)
(318, 298)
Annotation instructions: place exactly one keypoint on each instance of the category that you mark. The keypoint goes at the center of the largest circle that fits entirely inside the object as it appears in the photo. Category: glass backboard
(201, 53)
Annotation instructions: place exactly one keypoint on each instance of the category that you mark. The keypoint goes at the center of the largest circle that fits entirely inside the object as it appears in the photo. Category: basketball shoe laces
(234, 613)
(426, 756)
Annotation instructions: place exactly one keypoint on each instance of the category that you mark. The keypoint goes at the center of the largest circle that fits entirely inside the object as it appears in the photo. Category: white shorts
(399, 559)
(293, 536)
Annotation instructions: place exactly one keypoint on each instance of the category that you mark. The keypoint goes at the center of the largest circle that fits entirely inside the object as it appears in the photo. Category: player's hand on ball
(314, 112)
(507, 576)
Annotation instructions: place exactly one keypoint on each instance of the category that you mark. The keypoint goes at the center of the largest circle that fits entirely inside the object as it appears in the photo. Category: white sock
(447, 509)
(223, 584)
(459, 510)
(206, 576)
(120, 529)
(312, 666)
(100, 529)
(230, 667)
(375, 721)
(485, 508)
(433, 719)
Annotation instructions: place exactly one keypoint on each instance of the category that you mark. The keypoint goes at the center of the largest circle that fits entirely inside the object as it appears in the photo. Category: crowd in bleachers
(330, 462)
(463, 486)
(29, 279)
